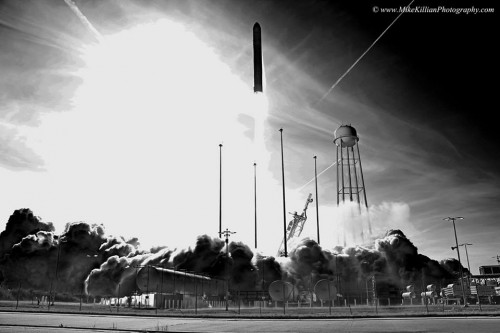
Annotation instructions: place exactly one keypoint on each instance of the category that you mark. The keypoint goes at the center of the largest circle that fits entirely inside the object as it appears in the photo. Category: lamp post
(226, 234)
(467, 255)
(468, 264)
(452, 219)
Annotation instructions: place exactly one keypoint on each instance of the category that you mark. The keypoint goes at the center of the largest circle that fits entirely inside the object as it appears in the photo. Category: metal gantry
(295, 226)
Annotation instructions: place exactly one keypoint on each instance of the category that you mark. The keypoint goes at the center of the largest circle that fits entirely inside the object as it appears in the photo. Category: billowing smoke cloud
(452, 266)
(117, 275)
(83, 257)
(21, 224)
(243, 273)
(207, 257)
(269, 270)
(405, 262)
(31, 262)
(33, 255)
(114, 277)
(308, 263)
(392, 259)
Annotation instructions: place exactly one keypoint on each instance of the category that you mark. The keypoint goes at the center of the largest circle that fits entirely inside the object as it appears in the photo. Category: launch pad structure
(295, 226)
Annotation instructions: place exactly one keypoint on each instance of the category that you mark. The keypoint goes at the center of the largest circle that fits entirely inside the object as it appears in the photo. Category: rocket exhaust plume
(257, 58)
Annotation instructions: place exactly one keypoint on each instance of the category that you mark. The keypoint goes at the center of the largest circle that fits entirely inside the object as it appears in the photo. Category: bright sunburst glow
(141, 145)
(139, 152)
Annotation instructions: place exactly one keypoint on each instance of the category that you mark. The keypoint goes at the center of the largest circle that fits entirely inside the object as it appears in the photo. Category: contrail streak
(319, 174)
(362, 55)
(74, 8)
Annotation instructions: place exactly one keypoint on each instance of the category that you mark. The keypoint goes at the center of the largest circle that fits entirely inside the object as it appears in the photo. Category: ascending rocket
(257, 58)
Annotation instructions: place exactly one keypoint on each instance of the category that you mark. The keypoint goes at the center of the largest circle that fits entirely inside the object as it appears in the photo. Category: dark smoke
(308, 263)
(118, 246)
(452, 266)
(40, 259)
(405, 262)
(116, 276)
(269, 270)
(207, 257)
(21, 224)
(393, 260)
(243, 273)
(107, 266)
(31, 262)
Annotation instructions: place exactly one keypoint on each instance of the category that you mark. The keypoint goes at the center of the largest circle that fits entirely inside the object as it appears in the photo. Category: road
(53, 322)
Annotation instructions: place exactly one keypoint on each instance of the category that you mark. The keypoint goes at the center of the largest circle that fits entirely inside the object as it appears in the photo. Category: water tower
(350, 181)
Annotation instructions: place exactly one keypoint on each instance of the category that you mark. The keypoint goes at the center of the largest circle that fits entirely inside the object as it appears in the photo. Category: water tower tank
(350, 179)
(346, 135)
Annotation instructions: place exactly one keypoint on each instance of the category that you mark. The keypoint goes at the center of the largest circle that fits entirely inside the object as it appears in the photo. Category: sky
(112, 112)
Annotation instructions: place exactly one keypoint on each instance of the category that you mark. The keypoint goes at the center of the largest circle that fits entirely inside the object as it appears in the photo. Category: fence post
(118, 299)
(18, 292)
(329, 299)
(195, 296)
(284, 304)
(81, 296)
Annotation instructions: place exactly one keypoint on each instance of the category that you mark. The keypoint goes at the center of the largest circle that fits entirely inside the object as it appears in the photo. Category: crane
(296, 225)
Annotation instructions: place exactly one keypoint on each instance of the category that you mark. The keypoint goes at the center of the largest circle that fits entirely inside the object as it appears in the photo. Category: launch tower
(295, 226)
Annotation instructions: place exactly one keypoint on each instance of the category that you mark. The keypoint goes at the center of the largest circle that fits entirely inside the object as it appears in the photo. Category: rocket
(257, 58)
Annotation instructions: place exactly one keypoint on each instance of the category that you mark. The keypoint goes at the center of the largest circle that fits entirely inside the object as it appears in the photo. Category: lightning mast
(296, 225)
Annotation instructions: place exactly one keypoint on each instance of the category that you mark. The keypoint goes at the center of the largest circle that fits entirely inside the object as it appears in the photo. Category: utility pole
(497, 258)
(220, 189)
(59, 245)
(255, 198)
(283, 181)
(317, 209)
(226, 234)
(452, 219)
